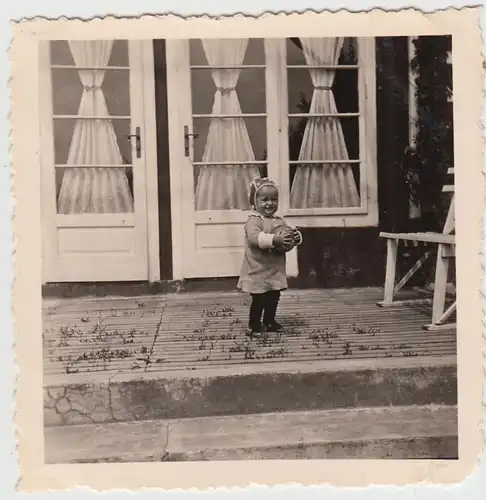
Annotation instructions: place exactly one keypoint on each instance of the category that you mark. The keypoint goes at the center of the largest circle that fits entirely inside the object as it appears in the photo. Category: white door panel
(94, 204)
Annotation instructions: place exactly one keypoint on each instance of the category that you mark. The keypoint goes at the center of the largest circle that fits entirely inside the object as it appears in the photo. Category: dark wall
(328, 257)
(161, 113)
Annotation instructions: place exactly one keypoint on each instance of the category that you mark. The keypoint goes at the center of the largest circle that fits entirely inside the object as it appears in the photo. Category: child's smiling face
(266, 202)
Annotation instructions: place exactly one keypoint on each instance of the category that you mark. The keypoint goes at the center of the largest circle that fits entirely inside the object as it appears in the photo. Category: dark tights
(266, 304)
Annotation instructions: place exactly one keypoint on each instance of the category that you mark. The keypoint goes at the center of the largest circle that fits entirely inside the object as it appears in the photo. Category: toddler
(263, 273)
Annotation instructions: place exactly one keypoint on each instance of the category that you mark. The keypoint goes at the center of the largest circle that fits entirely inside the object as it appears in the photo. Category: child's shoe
(273, 327)
(254, 332)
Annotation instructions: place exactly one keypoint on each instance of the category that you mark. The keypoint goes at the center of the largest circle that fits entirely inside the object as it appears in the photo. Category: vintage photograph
(248, 247)
(343, 137)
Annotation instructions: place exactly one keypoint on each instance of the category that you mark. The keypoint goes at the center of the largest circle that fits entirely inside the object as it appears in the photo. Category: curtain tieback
(322, 87)
(225, 90)
(90, 88)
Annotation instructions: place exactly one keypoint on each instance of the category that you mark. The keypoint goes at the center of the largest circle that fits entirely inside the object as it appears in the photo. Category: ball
(283, 229)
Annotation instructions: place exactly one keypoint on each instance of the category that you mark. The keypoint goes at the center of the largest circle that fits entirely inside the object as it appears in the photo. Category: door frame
(45, 160)
(176, 145)
(151, 177)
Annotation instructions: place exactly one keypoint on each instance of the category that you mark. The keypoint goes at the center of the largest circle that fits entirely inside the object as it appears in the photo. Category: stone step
(250, 389)
(406, 432)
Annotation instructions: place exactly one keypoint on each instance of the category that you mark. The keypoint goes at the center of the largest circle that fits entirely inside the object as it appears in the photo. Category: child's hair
(256, 184)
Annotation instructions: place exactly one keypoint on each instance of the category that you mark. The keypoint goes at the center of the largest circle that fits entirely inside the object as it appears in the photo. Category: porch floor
(206, 330)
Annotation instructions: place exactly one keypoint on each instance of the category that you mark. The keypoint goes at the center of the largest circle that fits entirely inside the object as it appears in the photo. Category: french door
(93, 157)
(223, 133)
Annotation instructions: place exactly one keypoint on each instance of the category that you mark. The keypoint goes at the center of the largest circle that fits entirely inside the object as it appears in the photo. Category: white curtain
(318, 185)
(221, 187)
(93, 190)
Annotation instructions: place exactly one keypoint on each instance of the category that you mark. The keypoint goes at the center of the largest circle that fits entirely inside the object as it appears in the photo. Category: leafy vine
(425, 163)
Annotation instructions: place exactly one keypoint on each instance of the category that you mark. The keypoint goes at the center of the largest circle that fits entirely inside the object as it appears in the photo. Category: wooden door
(94, 152)
(223, 132)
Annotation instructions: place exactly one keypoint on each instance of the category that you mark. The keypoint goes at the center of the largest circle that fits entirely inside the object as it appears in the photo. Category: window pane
(224, 187)
(319, 185)
(324, 186)
(67, 90)
(255, 52)
(344, 89)
(64, 131)
(250, 90)
(324, 140)
(119, 53)
(229, 141)
(94, 190)
(61, 53)
(348, 55)
(116, 89)
(349, 52)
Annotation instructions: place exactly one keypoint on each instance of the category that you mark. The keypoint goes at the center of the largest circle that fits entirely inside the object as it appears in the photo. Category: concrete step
(246, 390)
(407, 432)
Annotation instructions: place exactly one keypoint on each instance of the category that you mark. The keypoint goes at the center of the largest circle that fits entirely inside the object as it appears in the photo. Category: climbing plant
(425, 163)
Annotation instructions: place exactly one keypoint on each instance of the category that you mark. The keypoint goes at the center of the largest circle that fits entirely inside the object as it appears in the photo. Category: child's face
(266, 202)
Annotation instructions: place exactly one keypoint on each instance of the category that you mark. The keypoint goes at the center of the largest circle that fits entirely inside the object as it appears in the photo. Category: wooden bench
(445, 242)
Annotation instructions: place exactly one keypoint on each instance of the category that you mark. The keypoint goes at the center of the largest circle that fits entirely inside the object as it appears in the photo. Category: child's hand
(297, 237)
(286, 238)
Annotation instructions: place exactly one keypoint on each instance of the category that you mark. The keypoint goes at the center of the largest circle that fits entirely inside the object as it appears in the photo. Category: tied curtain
(330, 184)
(94, 189)
(225, 187)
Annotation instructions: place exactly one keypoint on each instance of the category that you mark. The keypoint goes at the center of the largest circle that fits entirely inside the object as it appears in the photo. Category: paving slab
(382, 432)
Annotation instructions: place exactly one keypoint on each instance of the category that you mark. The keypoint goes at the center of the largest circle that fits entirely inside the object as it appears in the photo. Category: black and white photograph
(248, 244)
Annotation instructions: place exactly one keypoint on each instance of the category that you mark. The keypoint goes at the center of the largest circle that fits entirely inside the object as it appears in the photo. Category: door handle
(138, 141)
(186, 139)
